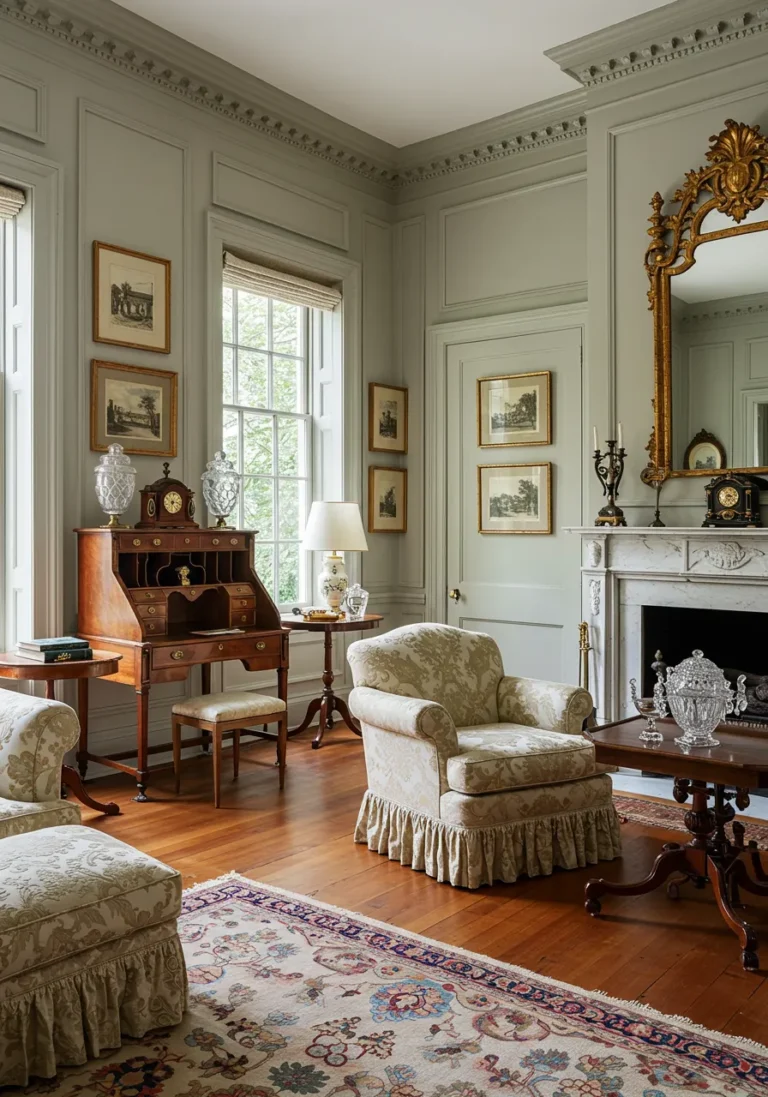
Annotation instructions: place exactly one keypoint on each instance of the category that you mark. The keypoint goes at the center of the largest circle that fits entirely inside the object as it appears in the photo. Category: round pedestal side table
(329, 703)
(103, 663)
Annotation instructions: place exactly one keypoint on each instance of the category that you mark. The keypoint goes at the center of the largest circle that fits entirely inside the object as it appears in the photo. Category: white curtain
(11, 201)
(242, 274)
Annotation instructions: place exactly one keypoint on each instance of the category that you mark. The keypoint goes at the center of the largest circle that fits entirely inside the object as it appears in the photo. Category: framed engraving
(134, 406)
(514, 498)
(131, 299)
(387, 418)
(514, 410)
(387, 500)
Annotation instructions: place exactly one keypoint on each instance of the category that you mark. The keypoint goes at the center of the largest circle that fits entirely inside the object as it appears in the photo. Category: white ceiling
(402, 70)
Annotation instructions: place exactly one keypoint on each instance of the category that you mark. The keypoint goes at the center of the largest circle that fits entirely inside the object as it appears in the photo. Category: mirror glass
(719, 350)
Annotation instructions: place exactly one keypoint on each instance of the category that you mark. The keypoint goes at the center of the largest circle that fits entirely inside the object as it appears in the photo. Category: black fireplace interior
(734, 640)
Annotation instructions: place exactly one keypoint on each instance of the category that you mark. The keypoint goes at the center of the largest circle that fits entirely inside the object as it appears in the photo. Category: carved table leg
(328, 698)
(746, 935)
(71, 780)
(142, 732)
(673, 858)
(343, 710)
(205, 684)
(756, 862)
(50, 690)
(82, 712)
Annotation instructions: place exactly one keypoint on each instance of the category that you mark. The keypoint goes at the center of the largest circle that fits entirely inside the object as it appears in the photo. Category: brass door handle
(455, 594)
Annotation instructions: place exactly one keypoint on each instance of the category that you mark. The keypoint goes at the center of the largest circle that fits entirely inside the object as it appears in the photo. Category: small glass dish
(652, 708)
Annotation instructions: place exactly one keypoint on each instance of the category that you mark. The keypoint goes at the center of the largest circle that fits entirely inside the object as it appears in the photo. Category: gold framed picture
(387, 500)
(131, 299)
(514, 410)
(514, 498)
(387, 418)
(134, 406)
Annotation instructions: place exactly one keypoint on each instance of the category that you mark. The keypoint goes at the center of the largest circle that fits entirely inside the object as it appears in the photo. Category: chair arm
(552, 706)
(35, 734)
(405, 716)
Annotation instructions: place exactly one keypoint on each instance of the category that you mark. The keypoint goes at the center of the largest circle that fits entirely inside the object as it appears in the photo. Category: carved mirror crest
(710, 310)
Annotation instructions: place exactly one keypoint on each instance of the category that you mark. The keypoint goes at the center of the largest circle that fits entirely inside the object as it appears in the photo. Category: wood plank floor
(676, 956)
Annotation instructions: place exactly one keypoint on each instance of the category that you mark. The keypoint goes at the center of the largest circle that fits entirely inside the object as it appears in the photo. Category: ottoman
(89, 949)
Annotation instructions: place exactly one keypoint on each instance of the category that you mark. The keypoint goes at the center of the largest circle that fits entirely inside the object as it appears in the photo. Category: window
(267, 431)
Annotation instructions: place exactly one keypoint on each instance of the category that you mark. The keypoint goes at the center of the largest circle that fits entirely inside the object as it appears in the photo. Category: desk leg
(50, 689)
(82, 712)
(142, 732)
(205, 681)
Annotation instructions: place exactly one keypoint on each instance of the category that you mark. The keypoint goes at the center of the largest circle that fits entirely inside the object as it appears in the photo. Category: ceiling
(402, 70)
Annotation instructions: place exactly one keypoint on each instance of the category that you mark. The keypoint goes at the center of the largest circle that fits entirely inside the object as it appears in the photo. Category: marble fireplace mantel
(625, 569)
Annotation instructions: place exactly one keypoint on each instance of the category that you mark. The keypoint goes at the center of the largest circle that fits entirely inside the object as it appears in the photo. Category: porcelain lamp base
(332, 582)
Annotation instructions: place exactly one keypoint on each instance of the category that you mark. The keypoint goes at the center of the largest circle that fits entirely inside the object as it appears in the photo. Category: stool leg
(282, 742)
(216, 768)
(176, 731)
(236, 752)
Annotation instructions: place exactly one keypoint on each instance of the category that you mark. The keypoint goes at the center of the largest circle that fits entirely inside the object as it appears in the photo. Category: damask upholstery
(35, 734)
(88, 949)
(474, 776)
(229, 706)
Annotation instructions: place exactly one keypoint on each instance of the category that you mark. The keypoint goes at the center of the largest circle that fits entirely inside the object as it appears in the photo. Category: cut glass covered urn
(115, 483)
(699, 698)
(221, 487)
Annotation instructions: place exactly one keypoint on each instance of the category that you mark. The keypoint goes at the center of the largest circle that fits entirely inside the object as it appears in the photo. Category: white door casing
(523, 589)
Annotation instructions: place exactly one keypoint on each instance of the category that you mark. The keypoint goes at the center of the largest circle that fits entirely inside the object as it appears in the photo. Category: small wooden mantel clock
(167, 504)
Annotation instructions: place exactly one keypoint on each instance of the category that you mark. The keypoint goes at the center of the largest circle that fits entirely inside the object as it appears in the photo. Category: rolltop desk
(144, 593)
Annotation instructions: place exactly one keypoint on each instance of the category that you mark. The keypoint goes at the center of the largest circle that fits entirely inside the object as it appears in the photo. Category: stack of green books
(55, 649)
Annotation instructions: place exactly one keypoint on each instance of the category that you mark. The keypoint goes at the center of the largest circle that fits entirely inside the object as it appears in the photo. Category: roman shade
(11, 201)
(242, 274)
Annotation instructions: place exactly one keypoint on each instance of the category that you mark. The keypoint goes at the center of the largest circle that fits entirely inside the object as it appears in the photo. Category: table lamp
(334, 528)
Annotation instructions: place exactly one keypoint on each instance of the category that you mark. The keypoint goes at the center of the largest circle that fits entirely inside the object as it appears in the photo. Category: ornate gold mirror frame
(737, 179)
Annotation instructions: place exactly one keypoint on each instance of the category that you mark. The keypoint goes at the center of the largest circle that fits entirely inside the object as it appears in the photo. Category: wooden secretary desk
(144, 593)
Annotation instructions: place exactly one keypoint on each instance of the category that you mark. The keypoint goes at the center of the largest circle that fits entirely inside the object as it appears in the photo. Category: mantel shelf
(666, 531)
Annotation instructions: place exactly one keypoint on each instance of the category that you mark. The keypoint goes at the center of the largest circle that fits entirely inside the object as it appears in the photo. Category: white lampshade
(335, 526)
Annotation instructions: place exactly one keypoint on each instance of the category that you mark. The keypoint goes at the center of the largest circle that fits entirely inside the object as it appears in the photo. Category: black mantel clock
(167, 504)
(733, 501)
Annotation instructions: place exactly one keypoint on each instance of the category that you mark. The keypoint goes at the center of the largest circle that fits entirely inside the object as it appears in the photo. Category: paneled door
(522, 588)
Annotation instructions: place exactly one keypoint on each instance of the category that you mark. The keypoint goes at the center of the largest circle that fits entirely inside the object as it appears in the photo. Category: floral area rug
(293, 997)
(651, 813)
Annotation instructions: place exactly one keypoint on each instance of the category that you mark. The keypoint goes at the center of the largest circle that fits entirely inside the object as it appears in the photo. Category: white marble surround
(623, 570)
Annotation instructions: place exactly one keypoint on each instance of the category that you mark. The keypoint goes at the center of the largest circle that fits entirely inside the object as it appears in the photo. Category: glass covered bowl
(221, 487)
(699, 698)
(115, 483)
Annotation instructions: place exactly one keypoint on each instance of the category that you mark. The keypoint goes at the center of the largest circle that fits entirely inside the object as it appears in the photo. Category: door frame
(440, 337)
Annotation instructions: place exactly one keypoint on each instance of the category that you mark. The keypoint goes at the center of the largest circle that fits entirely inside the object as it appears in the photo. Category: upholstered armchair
(474, 776)
(34, 737)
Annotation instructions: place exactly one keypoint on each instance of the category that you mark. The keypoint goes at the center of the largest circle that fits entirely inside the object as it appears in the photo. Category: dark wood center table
(30, 670)
(740, 763)
(328, 703)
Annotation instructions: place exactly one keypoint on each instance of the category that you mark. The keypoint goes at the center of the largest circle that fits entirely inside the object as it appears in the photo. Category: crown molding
(677, 30)
(122, 40)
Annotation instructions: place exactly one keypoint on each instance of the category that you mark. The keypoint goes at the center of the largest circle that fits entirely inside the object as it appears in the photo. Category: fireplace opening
(734, 640)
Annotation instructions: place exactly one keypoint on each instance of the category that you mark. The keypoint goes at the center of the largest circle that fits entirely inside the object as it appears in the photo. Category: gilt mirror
(707, 264)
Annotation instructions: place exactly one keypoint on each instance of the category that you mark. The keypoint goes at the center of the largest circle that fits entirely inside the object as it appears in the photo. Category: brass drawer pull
(243, 601)
(156, 541)
(177, 655)
(244, 617)
(192, 593)
(233, 540)
(186, 540)
(221, 647)
(215, 541)
(150, 594)
(137, 541)
(261, 644)
(151, 609)
(151, 626)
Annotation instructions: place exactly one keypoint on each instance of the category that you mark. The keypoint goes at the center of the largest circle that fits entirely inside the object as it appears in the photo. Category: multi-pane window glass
(267, 431)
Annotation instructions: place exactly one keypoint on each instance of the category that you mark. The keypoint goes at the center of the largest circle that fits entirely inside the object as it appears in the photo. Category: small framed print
(387, 500)
(387, 418)
(704, 452)
(134, 406)
(131, 299)
(515, 410)
(514, 498)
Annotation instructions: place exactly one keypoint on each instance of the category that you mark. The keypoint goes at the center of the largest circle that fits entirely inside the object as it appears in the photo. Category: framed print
(387, 500)
(704, 452)
(387, 418)
(131, 299)
(135, 407)
(515, 410)
(514, 498)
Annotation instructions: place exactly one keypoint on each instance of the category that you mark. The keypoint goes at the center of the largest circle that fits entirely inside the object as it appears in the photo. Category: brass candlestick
(609, 467)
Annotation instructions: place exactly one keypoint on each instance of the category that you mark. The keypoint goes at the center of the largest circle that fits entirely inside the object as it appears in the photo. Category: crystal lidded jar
(355, 602)
(699, 698)
(221, 487)
(115, 483)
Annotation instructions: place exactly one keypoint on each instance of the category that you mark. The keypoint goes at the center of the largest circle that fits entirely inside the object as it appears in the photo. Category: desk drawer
(150, 596)
(153, 612)
(223, 540)
(244, 590)
(146, 542)
(186, 542)
(155, 626)
(208, 651)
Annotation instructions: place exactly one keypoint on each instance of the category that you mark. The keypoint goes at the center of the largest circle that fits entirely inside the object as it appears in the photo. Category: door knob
(455, 594)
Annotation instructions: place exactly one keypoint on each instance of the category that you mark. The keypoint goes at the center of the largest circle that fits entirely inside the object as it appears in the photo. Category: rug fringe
(525, 973)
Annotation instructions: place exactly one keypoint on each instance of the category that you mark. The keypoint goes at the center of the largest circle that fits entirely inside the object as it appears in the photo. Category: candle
(594, 438)
(620, 437)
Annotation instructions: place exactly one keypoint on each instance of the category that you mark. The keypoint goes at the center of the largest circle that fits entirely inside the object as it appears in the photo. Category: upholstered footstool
(89, 949)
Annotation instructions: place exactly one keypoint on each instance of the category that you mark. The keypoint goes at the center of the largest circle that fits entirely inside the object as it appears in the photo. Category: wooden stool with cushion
(221, 713)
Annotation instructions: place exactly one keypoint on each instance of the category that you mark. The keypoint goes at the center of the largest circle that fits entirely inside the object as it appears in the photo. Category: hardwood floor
(676, 956)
